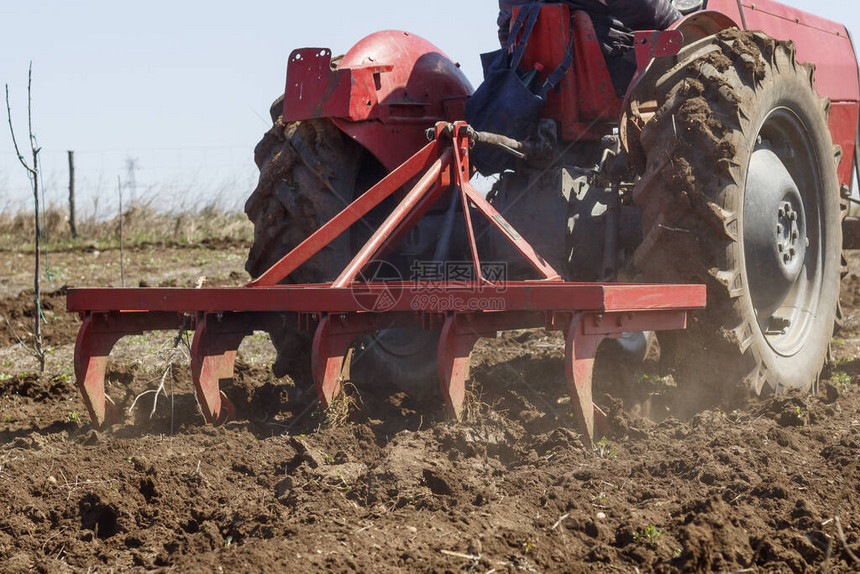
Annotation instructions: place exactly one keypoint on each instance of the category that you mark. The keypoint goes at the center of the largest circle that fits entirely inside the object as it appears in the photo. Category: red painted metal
(327, 356)
(315, 90)
(594, 89)
(579, 352)
(827, 45)
(728, 8)
(843, 121)
(332, 339)
(650, 45)
(91, 354)
(455, 346)
(820, 41)
(340, 312)
(584, 103)
(517, 240)
(213, 354)
(384, 93)
(540, 296)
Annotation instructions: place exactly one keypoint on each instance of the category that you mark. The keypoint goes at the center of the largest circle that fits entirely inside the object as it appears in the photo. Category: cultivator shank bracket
(340, 312)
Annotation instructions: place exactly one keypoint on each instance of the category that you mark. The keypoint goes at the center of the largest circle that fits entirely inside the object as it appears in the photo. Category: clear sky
(183, 88)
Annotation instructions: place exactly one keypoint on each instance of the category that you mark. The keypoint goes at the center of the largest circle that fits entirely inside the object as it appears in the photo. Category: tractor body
(722, 172)
(392, 85)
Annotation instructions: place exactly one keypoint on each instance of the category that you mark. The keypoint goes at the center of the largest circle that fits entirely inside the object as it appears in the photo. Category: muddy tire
(308, 173)
(740, 192)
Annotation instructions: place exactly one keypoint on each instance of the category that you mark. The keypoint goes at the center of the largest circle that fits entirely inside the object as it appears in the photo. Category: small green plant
(72, 417)
(650, 536)
(5, 376)
(228, 541)
(603, 450)
(841, 379)
(344, 486)
(529, 545)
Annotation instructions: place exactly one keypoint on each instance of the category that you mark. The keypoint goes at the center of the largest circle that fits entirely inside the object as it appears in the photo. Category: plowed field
(771, 485)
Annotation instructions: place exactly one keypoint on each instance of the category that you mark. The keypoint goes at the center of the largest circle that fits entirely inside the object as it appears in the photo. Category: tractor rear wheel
(740, 192)
(310, 171)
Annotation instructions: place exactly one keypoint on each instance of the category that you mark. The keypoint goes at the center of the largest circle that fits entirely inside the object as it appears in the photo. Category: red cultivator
(339, 312)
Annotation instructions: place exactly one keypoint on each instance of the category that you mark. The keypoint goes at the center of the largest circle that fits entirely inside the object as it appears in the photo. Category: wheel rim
(782, 232)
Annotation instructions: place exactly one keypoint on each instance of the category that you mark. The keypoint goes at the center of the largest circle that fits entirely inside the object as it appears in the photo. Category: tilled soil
(769, 486)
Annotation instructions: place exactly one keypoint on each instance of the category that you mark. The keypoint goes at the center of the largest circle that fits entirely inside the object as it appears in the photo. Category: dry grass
(340, 411)
(141, 224)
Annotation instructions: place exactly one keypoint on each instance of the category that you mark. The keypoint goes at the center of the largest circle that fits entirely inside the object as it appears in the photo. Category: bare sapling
(33, 173)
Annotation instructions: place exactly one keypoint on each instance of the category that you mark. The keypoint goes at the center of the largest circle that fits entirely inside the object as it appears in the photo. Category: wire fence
(167, 179)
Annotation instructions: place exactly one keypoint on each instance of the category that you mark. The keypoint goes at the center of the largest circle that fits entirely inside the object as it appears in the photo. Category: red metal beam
(519, 296)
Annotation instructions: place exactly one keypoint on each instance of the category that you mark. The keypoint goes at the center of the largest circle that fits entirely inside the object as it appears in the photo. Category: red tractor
(726, 163)
(723, 168)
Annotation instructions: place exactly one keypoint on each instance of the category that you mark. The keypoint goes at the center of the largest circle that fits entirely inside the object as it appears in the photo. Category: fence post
(72, 225)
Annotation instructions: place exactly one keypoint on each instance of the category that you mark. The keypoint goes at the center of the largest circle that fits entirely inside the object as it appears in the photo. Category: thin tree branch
(12, 131)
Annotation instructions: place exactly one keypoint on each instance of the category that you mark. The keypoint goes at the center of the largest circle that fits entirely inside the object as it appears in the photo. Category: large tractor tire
(740, 192)
(310, 171)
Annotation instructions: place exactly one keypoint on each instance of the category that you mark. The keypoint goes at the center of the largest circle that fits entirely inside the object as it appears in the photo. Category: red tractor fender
(384, 93)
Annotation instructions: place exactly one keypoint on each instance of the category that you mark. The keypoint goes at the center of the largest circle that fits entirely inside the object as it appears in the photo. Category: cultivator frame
(339, 312)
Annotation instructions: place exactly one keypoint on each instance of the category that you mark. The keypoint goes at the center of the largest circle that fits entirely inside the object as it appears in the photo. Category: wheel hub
(790, 239)
(775, 235)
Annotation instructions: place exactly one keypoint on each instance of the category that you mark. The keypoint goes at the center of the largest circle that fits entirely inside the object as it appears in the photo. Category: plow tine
(327, 358)
(213, 354)
(455, 346)
(579, 365)
(91, 354)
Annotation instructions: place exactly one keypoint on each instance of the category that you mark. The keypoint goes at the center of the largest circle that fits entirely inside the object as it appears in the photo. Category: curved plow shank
(579, 352)
(455, 346)
(213, 354)
(327, 357)
(91, 355)
(334, 336)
